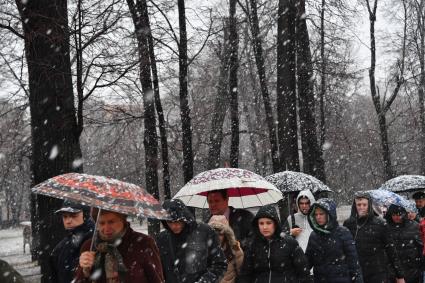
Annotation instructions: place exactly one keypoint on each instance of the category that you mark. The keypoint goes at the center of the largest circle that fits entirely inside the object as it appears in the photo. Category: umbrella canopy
(404, 183)
(104, 193)
(386, 198)
(290, 181)
(245, 188)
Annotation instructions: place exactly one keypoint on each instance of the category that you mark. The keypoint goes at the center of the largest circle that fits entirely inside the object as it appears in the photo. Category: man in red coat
(120, 254)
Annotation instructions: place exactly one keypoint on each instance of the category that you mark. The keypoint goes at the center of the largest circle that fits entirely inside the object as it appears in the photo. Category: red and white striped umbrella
(245, 188)
(104, 193)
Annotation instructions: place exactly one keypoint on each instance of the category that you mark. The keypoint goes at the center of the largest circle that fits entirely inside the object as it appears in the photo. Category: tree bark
(286, 87)
(312, 156)
(233, 85)
(259, 60)
(220, 105)
(421, 53)
(184, 100)
(54, 134)
(161, 119)
(139, 13)
(322, 77)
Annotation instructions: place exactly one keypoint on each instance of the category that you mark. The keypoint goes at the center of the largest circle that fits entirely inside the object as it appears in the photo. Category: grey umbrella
(405, 183)
(290, 181)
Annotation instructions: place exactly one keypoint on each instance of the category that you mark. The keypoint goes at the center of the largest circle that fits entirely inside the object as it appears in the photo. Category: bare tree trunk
(140, 16)
(233, 85)
(184, 101)
(381, 109)
(161, 119)
(312, 155)
(322, 76)
(286, 87)
(220, 105)
(55, 143)
(259, 60)
(421, 53)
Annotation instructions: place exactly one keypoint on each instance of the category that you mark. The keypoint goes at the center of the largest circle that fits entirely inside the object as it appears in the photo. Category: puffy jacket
(64, 257)
(377, 255)
(408, 242)
(192, 256)
(301, 220)
(331, 249)
(276, 260)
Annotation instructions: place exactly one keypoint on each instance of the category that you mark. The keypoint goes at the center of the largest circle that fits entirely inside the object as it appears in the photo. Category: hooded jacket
(301, 220)
(64, 257)
(331, 249)
(194, 255)
(377, 255)
(408, 243)
(276, 260)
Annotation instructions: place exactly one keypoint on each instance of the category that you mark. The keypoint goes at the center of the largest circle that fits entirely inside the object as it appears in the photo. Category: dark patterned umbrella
(290, 181)
(104, 193)
(405, 183)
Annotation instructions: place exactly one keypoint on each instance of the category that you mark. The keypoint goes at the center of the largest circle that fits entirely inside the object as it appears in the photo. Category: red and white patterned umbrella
(245, 188)
(102, 192)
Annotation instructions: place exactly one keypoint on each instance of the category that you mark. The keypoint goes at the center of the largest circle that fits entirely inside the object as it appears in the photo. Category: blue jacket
(331, 250)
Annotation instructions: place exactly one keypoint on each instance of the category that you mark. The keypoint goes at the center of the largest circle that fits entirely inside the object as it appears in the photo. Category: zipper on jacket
(270, 269)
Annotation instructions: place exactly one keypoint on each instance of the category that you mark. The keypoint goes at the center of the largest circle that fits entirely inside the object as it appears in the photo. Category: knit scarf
(108, 254)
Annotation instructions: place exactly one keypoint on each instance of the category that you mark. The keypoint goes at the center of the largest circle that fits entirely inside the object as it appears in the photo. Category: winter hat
(218, 219)
(70, 207)
(418, 195)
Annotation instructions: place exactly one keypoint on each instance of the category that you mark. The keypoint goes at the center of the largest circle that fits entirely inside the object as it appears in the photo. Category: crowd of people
(233, 245)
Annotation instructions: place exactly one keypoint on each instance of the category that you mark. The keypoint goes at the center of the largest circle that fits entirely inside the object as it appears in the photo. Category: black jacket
(279, 260)
(240, 220)
(377, 254)
(64, 257)
(408, 243)
(331, 249)
(194, 255)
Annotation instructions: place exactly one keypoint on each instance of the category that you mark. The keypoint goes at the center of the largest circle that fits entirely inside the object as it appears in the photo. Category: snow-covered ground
(11, 250)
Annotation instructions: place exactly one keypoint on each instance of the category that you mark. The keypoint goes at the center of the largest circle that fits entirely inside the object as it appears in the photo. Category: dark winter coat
(408, 243)
(8, 274)
(278, 260)
(194, 255)
(140, 255)
(331, 249)
(377, 254)
(64, 257)
(240, 220)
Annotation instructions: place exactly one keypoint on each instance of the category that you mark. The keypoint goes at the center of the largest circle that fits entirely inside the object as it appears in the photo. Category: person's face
(304, 205)
(72, 220)
(411, 215)
(321, 216)
(397, 218)
(420, 203)
(362, 206)
(110, 224)
(266, 227)
(176, 226)
(217, 203)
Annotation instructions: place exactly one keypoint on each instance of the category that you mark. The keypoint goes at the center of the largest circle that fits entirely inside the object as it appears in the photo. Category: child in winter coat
(231, 247)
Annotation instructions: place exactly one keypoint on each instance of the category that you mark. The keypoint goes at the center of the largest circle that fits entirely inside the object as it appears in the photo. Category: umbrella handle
(95, 230)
